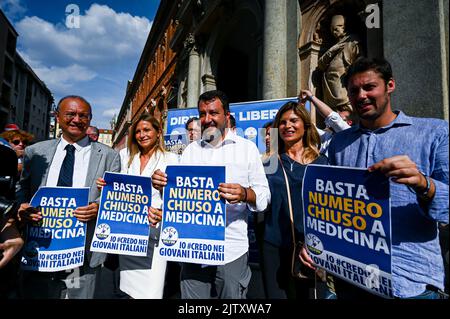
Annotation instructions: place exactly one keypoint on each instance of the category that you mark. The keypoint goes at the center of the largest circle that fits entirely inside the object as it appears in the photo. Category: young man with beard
(413, 153)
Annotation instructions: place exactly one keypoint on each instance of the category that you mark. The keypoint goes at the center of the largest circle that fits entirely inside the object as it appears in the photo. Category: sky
(81, 47)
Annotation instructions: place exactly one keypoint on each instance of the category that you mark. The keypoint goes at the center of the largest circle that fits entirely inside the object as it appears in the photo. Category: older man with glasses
(71, 161)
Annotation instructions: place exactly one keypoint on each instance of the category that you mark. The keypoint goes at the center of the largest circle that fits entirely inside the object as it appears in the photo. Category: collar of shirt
(78, 145)
(81, 165)
(400, 120)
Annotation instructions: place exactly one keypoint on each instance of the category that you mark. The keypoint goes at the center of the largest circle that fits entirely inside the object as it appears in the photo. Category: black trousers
(277, 275)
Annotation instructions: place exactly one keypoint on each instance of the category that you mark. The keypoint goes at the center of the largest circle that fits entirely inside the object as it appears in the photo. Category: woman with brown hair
(298, 146)
(143, 277)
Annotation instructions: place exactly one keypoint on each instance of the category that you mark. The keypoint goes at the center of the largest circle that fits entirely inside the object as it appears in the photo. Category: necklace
(290, 162)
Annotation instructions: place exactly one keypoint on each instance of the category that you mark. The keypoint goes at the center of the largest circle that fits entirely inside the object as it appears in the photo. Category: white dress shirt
(334, 121)
(243, 166)
(82, 156)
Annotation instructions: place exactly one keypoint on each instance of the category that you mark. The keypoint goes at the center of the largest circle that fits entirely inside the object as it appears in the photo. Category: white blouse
(146, 283)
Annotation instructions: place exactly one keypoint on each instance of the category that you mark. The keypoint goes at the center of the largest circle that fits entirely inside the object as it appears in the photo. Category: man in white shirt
(44, 165)
(246, 189)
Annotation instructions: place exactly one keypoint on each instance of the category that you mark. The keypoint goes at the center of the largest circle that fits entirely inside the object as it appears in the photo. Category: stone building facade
(270, 49)
(265, 49)
(8, 40)
(24, 98)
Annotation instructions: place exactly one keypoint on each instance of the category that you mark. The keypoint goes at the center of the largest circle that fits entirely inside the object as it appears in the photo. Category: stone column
(414, 39)
(292, 58)
(193, 85)
(209, 82)
(274, 49)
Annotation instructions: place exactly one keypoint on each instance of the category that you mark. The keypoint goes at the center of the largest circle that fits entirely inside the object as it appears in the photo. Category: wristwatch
(424, 193)
(427, 189)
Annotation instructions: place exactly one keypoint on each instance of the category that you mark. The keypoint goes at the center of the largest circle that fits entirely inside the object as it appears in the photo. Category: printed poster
(122, 224)
(176, 143)
(57, 241)
(194, 218)
(250, 118)
(348, 225)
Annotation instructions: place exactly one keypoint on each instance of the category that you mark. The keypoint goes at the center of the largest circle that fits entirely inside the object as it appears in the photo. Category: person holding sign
(143, 277)
(298, 143)
(245, 189)
(71, 161)
(413, 153)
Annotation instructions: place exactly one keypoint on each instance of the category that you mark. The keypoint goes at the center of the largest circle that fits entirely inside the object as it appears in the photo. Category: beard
(380, 109)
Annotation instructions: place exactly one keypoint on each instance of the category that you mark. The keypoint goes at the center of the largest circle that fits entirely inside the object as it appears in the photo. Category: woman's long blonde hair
(311, 138)
(133, 146)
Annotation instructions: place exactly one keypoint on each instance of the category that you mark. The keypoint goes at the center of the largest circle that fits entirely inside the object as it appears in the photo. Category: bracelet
(245, 191)
(310, 98)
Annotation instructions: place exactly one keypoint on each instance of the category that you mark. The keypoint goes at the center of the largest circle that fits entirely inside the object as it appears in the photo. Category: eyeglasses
(82, 116)
(17, 142)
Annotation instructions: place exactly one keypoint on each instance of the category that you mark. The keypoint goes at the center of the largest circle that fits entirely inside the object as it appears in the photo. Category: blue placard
(57, 241)
(194, 217)
(176, 143)
(348, 225)
(122, 223)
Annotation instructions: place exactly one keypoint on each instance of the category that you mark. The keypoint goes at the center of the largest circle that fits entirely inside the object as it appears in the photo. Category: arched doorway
(238, 65)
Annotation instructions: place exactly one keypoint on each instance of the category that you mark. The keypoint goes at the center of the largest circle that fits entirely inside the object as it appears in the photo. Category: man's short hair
(192, 119)
(363, 64)
(350, 117)
(267, 124)
(209, 95)
(76, 97)
(95, 129)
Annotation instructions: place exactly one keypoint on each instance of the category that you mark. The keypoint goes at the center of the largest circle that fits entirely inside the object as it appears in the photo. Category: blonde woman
(143, 277)
(298, 146)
